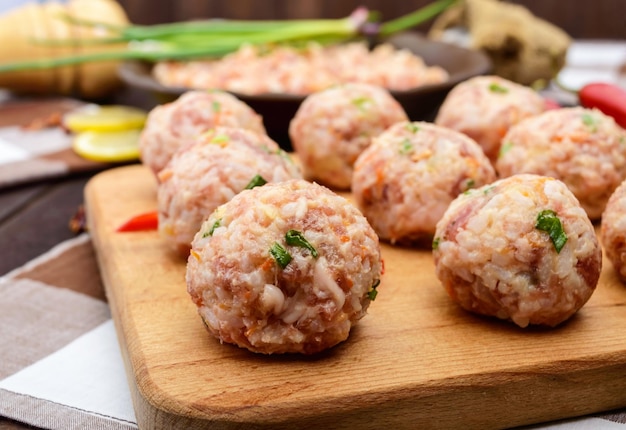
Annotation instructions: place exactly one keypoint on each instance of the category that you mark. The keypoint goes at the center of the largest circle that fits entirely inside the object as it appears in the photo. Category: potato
(19, 27)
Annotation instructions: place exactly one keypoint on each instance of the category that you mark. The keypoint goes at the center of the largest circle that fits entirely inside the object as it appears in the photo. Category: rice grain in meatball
(485, 107)
(584, 148)
(404, 181)
(520, 249)
(288, 267)
(210, 171)
(613, 230)
(170, 126)
(332, 127)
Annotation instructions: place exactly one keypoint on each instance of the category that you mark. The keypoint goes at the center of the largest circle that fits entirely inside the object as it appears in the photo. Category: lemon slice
(115, 146)
(104, 118)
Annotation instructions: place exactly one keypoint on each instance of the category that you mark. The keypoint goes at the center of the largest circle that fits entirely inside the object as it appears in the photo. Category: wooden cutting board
(415, 361)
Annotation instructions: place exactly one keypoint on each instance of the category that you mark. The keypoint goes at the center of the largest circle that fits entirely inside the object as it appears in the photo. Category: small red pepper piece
(551, 104)
(145, 221)
(609, 99)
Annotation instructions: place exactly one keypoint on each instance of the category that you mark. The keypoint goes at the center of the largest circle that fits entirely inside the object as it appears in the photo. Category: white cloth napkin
(87, 374)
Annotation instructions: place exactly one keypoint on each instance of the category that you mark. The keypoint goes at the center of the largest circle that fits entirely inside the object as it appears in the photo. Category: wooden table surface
(35, 216)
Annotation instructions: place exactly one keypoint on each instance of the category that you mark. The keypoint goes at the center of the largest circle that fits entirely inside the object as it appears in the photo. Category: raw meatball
(404, 181)
(171, 125)
(521, 248)
(583, 148)
(248, 292)
(332, 127)
(485, 107)
(613, 230)
(206, 173)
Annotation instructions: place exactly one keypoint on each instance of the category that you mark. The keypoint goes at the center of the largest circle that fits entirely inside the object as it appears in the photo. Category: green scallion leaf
(590, 121)
(296, 238)
(495, 88)
(373, 292)
(361, 103)
(280, 152)
(489, 189)
(216, 38)
(548, 221)
(215, 225)
(406, 147)
(256, 181)
(412, 127)
(410, 20)
(280, 254)
(504, 148)
(220, 138)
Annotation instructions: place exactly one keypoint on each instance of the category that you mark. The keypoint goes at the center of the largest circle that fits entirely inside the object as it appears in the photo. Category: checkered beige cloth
(33, 145)
(60, 363)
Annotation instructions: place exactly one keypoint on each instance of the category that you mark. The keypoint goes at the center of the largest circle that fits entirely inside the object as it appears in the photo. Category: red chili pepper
(551, 104)
(608, 98)
(146, 221)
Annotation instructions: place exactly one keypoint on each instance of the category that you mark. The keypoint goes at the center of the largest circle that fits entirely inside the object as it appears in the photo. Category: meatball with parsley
(172, 125)
(404, 181)
(584, 148)
(521, 249)
(210, 171)
(288, 267)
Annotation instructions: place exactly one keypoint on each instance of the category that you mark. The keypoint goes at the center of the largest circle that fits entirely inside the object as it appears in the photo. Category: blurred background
(597, 19)
(528, 48)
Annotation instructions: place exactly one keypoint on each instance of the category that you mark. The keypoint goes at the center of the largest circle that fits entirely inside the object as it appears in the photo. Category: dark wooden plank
(40, 224)
(14, 199)
(599, 19)
(602, 19)
(25, 110)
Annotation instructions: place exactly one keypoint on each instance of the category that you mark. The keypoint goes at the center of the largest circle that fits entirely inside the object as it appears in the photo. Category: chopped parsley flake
(256, 181)
(220, 139)
(217, 107)
(280, 254)
(215, 225)
(506, 147)
(281, 153)
(406, 146)
(470, 184)
(373, 292)
(295, 238)
(495, 88)
(361, 102)
(548, 221)
(412, 127)
(436, 242)
(590, 121)
(488, 189)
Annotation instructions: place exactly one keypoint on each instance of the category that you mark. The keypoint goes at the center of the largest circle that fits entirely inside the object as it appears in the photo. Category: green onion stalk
(216, 38)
